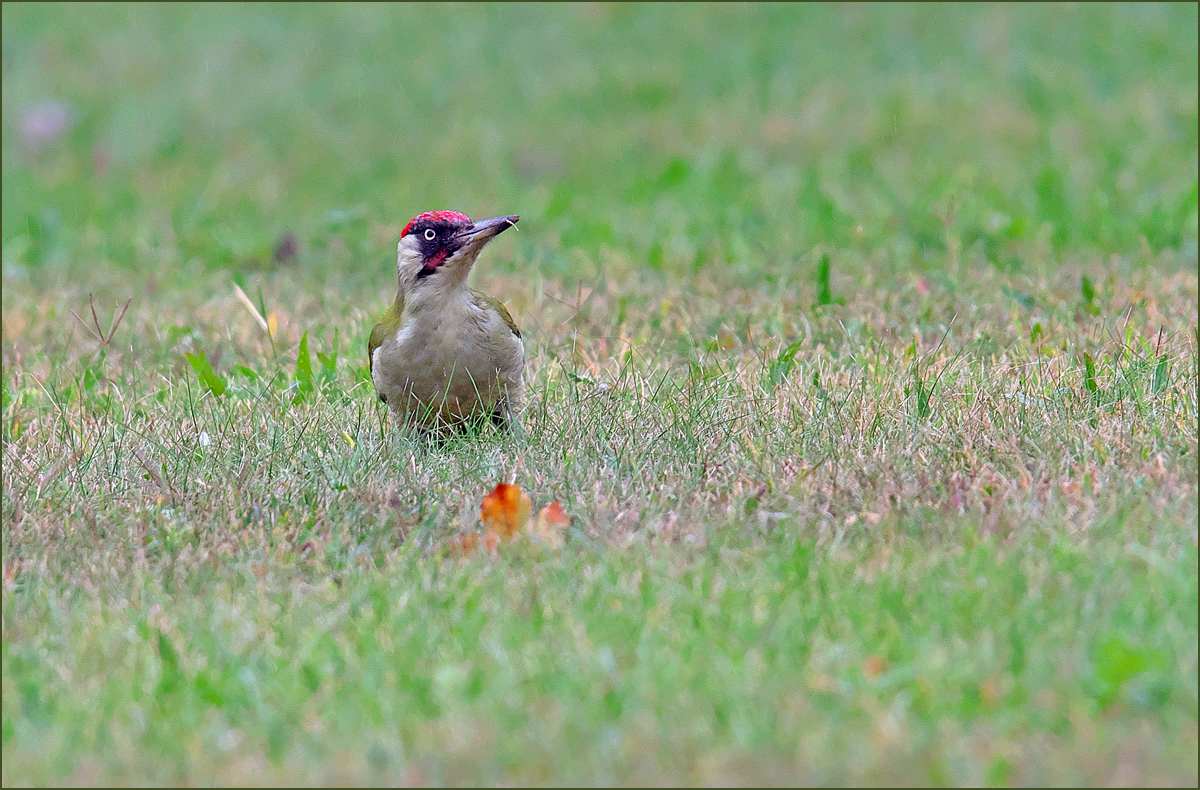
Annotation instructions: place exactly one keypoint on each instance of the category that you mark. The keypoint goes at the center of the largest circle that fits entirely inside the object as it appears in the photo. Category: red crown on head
(436, 216)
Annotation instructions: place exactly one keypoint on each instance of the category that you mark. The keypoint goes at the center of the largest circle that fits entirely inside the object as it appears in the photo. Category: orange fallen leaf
(551, 524)
(505, 510)
(505, 513)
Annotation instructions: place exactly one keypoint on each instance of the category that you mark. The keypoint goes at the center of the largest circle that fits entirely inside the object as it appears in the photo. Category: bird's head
(439, 247)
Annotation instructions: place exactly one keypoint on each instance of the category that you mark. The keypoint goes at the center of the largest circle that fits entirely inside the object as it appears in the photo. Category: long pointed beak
(486, 229)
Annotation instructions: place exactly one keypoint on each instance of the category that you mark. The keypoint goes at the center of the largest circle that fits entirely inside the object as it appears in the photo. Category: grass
(862, 352)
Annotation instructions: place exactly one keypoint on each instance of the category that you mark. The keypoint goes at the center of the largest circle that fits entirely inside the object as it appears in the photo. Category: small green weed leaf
(824, 292)
(1088, 289)
(328, 366)
(207, 691)
(783, 363)
(1162, 375)
(924, 392)
(581, 378)
(329, 361)
(262, 307)
(304, 374)
(209, 378)
(1089, 374)
(1036, 332)
(824, 289)
(177, 333)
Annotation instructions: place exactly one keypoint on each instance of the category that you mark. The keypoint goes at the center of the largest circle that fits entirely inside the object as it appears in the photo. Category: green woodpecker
(444, 354)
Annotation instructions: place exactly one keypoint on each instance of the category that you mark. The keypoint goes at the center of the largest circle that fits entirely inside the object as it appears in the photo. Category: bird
(445, 355)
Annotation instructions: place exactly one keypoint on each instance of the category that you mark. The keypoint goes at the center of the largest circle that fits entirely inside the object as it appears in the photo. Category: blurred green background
(729, 139)
(992, 580)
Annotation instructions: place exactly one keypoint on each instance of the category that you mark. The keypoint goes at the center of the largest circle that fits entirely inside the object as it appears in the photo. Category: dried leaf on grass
(506, 512)
(551, 525)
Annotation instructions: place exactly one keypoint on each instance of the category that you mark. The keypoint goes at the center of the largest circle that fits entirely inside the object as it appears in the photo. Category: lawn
(862, 354)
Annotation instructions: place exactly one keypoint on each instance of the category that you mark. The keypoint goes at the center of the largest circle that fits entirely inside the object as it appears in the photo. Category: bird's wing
(484, 299)
(388, 325)
(378, 333)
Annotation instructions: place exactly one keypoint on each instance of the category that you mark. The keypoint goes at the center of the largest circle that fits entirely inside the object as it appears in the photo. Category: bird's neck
(433, 295)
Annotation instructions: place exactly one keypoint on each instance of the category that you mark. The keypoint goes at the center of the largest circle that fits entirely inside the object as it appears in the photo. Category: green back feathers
(388, 325)
(481, 298)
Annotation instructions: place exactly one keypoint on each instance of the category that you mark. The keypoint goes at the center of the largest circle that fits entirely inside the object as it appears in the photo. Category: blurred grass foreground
(862, 351)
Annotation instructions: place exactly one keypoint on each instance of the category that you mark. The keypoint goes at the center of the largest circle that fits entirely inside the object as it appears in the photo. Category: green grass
(862, 352)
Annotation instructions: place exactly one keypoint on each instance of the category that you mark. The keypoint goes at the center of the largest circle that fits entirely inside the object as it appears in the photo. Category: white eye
(429, 234)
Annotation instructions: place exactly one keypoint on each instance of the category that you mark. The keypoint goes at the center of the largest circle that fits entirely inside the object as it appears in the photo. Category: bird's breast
(453, 363)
